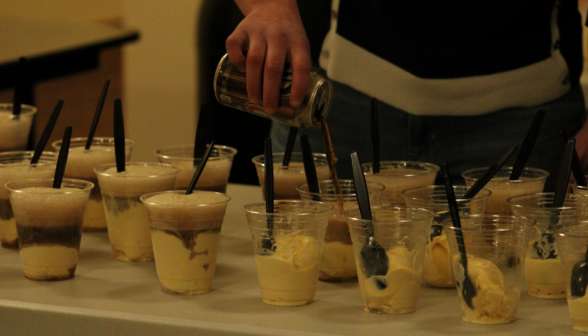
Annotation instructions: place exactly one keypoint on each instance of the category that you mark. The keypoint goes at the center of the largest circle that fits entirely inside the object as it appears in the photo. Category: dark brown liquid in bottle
(331, 159)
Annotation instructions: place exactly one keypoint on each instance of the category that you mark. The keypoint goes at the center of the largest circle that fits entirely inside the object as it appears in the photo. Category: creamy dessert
(49, 223)
(286, 179)
(128, 226)
(338, 258)
(15, 129)
(215, 175)
(437, 266)
(289, 275)
(81, 164)
(15, 166)
(531, 181)
(185, 231)
(544, 277)
(396, 178)
(579, 310)
(398, 290)
(494, 303)
(502, 189)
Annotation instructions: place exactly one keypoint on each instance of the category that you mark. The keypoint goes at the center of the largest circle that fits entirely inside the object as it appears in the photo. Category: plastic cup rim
(144, 198)
(231, 152)
(87, 185)
(104, 167)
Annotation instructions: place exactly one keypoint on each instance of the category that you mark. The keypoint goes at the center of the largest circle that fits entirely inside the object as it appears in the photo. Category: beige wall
(160, 74)
(86, 10)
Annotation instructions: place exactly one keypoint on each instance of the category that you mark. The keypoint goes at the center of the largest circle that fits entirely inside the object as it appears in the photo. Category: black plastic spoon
(199, 170)
(468, 291)
(309, 167)
(62, 158)
(527, 146)
(375, 130)
(267, 242)
(97, 114)
(289, 146)
(374, 260)
(545, 249)
(47, 132)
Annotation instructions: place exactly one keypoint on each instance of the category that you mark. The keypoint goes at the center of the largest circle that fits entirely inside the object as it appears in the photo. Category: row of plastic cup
(81, 163)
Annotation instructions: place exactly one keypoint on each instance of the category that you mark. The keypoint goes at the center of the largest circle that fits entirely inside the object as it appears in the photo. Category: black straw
(199, 170)
(203, 129)
(62, 159)
(489, 174)
(563, 174)
(119, 136)
(47, 132)
(97, 114)
(577, 169)
(269, 177)
(309, 167)
(289, 145)
(527, 146)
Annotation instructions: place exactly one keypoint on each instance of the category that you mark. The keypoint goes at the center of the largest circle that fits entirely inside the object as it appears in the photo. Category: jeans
(462, 142)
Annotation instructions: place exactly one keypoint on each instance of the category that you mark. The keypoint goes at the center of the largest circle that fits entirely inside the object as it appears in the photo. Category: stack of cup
(49, 223)
(438, 266)
(401, 233)
(287, 245)
(15, 129)
(531, 181)
(286, 179)
(215, 175)
(398, 176)
(16, 166)
(495, 247)
(338, 259)
(81, 164)
(185, 231)
(542, 262)
(128, 226)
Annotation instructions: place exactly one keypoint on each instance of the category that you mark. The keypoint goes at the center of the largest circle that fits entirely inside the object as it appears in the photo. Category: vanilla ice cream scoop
(492, 303)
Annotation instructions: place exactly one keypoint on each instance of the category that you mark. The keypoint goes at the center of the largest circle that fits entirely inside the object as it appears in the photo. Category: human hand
(270, 35)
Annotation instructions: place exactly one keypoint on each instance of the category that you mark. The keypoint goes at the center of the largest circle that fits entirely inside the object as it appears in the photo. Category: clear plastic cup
(16, 166)
(531, 181)
(286, 179)
(185, 231)
(81, 164)
(495, 246)
(288, 255)
(576, 188)
(573, 246)
(438, 267)
(215, 175)
(49, 223)
(338, 258)
(543, 264)
(401, 232)
(128, 226)
(398, 176)
(15, 130)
